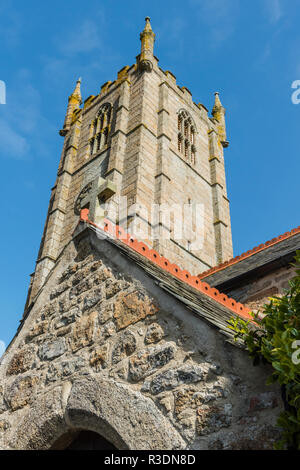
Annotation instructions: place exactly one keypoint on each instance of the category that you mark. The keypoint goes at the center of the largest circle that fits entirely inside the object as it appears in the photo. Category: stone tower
(118, 347)
(146, 150)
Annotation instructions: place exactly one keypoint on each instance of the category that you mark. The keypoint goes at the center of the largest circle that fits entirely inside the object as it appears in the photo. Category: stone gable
(96, 325)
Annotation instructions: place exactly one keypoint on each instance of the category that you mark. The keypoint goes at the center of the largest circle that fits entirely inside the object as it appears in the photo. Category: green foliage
(274, 338)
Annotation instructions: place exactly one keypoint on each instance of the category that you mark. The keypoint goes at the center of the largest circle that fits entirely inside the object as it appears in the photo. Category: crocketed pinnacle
(74, 103)
(218, 105)
(77, 93)
(218, 113)
(147, 38)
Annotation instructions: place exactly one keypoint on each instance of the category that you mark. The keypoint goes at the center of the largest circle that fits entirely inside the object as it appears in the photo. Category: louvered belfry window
(186, 136)
(99, 129)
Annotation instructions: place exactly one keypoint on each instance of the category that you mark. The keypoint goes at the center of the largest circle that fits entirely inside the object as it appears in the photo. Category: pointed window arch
(99, 129)
(186, 136)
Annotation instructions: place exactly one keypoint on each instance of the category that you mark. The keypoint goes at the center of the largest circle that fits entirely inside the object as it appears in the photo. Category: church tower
(122, 344)
(143, 153)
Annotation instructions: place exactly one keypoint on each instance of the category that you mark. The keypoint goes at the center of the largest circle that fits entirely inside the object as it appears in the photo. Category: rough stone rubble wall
(93, 326)
(257, 293)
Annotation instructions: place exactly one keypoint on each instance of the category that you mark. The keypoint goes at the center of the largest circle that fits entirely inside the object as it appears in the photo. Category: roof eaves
(249, 253)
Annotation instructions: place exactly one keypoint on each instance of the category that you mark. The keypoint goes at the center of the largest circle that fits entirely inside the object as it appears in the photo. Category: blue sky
(248, 51)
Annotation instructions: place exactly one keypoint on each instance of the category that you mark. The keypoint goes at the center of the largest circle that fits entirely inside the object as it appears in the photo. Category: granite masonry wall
(101, 351)
(256, 293)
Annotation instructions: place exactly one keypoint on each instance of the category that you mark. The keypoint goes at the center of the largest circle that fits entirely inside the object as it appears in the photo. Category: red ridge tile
(194, 281)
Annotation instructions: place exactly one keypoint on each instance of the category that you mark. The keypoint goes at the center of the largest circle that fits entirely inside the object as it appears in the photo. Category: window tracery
(186, 136)
(99, 129)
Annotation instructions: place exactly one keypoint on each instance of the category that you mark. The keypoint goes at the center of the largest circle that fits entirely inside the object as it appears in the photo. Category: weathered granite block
(52, 349)
(148, 361)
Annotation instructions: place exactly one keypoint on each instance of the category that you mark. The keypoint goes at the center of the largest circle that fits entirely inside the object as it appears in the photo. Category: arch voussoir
(124, 417)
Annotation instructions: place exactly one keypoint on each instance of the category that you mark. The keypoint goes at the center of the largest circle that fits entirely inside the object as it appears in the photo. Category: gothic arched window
(186, 136)
(99, 129)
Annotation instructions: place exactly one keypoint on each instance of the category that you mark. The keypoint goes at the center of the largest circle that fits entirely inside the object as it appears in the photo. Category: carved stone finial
(218, 105)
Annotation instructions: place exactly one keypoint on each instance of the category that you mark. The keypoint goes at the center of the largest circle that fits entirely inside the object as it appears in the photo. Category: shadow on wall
(82, 440)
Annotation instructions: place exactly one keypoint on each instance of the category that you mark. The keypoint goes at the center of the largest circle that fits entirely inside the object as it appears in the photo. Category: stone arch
(187, 115)
(124, 417)
(104, 108)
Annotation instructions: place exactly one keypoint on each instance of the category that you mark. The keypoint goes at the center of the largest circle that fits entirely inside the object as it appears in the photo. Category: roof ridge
(183, 275)
(249, 253)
